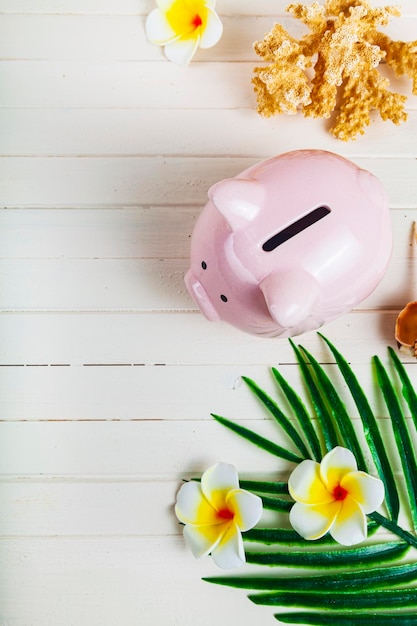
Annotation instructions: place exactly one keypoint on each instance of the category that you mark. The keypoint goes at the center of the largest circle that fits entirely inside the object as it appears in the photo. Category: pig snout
(200, 296)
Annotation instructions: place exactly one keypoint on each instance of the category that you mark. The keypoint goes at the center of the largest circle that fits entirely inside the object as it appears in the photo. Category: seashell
(406, 330)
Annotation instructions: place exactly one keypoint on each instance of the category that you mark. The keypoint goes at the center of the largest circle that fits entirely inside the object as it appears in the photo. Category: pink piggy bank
(290, 244)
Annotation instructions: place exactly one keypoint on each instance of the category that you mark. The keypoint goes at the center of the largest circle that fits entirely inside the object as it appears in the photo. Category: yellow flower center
(185, 16)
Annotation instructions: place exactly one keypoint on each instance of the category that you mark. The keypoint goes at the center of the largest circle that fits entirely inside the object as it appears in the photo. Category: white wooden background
(108, 372)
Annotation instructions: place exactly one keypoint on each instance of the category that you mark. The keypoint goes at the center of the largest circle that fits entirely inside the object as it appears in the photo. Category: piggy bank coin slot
(295, 228)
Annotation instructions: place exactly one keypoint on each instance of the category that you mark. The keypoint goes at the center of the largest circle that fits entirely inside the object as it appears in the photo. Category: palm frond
(258, 440)
(352, 618)
(289, 537)
(300, 413)
(344, 586)
(330, 558)
(394, 528)
(337, 410)
(263, 486)
(359, 579)
(402, 436)
(371, 431)
(322, 412)
(408, 390)
(358, 600)
(280, 417)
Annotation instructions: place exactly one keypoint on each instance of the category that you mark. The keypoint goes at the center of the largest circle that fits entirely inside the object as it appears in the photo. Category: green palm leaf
(263, 486)
(289, 537)
(346, 586)
(371, 431)
(351, 619)
(358, 600)
(373, 577)
(337, 411)
(408, 390)
(300, 413)
(402, 437)
(329, 558)
(322, 412)
(259, 441)
(281, 418)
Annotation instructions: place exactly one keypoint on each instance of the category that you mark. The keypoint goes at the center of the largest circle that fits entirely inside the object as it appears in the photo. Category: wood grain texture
(108, 373)
(114, 580)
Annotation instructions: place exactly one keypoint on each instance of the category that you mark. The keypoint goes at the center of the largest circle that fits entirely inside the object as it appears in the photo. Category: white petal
(312, 522)
(229, 552)
(305, 484)
(158, 29)
(213, 30)
(350, 525)
(193, 508)
(217, 481)
(203, 539)
(368, 491)
(182, 50)
(335, 464)
(247, 508)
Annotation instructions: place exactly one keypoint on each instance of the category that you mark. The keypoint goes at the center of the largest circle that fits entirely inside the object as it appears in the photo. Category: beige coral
(282, 86)
(347, 49)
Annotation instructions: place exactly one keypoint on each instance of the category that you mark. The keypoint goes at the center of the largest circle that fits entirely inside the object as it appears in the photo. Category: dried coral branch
(401, 56)
(347, 49)
(360, 98)
(282, 87)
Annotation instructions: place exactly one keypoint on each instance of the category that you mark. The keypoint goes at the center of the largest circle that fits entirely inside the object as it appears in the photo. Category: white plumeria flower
(182, 26)
(215, 513)
(333, 496)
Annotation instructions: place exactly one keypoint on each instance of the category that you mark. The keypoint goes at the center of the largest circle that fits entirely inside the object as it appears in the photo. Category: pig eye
(204, 265)
(296, 227)
(223, 298)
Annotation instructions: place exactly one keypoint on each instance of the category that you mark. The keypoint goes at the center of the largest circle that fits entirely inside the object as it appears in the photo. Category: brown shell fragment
(406, 330)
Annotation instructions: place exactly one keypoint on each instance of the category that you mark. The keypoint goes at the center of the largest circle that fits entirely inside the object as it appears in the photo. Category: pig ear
(238, 199)
(290, 296)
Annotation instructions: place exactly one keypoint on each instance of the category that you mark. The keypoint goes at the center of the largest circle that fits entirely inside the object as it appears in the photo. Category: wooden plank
(124, 132)
(139, 7)
(128, 181)
(139, 285)
(138, 392)
(91, 509)
(83, 509)
(110, 581)
(143, 7)
(122, 233)
(62, 450)
(145, 232)
(41, 452)
(135, 84)
(94, 285)
(122, 37)
(180, 339)
(56, 508)
(82, 7)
